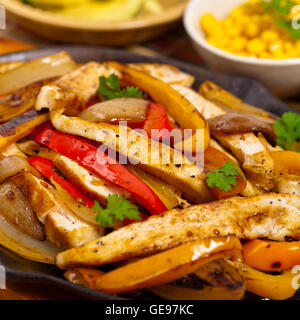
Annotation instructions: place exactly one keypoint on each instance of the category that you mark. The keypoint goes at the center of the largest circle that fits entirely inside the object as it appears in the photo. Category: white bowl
(282, 77)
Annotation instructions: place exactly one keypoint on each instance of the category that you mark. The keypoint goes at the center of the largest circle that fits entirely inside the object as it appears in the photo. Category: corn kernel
(245, 21)
(253, 2)
(237, 13)
(297, 45)
(238, 44)
(252, 30)
(278, 54)
(207, 21)
(234, 32)
(243, 54)
(264, 55)
(269, 36)
(292, 53)
(275, 46)
(288, 46)
(216, 31)
(255, 18)
(212, 41)
(224, 42)
(256, 46)
(266, 20)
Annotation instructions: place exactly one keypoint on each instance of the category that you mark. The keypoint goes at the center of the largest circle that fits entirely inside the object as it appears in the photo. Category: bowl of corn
(254, 38)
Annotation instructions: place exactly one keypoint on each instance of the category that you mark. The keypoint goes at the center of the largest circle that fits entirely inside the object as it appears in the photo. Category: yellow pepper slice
(228, 101)
(286, 162)
(20, 127)
(220, 281)
(166, 193)
(276, 287)
(161, 268)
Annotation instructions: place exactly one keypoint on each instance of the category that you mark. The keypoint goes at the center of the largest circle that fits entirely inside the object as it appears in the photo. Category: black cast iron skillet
(24, 271)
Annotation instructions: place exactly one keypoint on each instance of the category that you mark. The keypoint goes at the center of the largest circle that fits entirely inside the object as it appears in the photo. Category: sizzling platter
(184, 183)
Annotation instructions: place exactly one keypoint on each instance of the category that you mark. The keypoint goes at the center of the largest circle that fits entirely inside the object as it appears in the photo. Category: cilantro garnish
(110, 89)
(224, 178)
(287, 130)
(118, 208)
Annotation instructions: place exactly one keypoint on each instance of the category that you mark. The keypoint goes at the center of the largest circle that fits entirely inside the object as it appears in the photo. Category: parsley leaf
(110, 89)
(224, 178)
(287, 130)
(118, 208)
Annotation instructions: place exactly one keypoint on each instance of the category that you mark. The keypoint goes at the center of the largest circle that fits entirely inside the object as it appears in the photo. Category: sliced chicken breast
(84, 81)
(271, 216)
(66, 230)
(62, 226)
(92, 185)
(253, 155)
(205, 107)
(166, 73)
(288, 184)
(251, 151)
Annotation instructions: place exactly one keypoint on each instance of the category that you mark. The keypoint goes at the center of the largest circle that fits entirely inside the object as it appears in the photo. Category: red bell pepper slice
(157, 118)
(47, 169)
(90, 157)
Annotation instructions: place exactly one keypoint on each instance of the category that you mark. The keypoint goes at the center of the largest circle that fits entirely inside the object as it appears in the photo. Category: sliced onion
(13, 150)
(121, 109)
(79, 209)
(24, 245)
(16, 209)
(13, 165)
(36, 70)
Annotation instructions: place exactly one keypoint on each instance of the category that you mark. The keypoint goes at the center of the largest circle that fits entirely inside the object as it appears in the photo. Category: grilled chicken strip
(66, 230)
(205, 107)
(271, 216)
(154, 157)
(94, 186)
(254, 156)
(288, 184)
(250, 189)
(166, 73)
(251, 151)
(98, 188)
(84, 81)
(62, 226)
